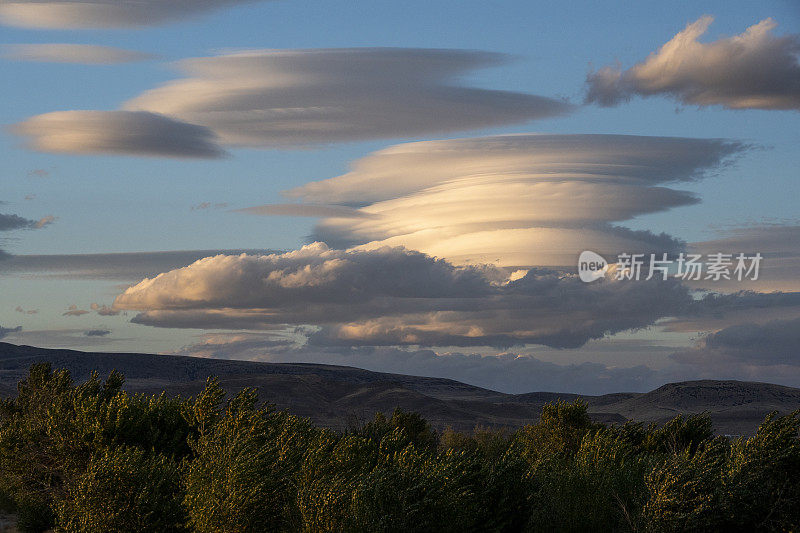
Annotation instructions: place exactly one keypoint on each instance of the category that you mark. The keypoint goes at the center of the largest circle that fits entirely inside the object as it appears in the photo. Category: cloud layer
(131, 266)
(778, 244)
(87, 54)
(753, 70)
(103, 13)
(118, 132)
(392, 296)
(511, 200)
(773, 343)
(292, 99)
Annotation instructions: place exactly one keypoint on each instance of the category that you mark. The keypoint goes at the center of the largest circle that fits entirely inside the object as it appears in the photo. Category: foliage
(91, 457)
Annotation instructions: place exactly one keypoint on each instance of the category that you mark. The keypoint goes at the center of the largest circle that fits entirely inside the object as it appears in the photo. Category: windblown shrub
(126, 490)
(242, 475)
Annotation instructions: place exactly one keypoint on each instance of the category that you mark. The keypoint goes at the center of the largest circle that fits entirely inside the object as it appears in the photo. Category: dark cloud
(57, 14)
(12, 222)
(754, 70)
(118, 132)
(100, 332)
(507, 372)
(773, 343)
(4, 332)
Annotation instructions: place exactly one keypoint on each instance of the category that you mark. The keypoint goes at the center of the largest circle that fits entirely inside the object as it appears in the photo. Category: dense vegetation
(93, 458)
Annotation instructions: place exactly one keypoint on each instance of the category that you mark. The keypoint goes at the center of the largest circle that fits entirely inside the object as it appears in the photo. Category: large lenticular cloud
(514, 200)
(293, 99)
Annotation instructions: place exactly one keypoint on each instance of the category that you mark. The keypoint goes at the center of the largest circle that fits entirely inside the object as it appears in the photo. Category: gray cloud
(128, 267)
(772, 343)
(56, 14)
(293, 99)
(87, 54)
(397, 297)
(778, 244)
(285, 98)
(118, 132)
(99, 332)
(507, 372)
(13, 222)
(754, 70)
(4, 332)
(715, 311)
(290, 98)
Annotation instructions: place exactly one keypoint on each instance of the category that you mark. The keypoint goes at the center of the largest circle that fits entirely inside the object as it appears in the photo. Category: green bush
(124, 490)
(92, 458)
(244, 466)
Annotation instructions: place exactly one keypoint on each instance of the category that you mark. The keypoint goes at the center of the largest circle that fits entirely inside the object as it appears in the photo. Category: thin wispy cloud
(73, 310)
(97, 332)
(55, 14)
(86, 54)
(754, 70)
(126, 266)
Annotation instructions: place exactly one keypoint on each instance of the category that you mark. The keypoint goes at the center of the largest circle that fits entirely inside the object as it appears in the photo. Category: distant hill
(336, 396)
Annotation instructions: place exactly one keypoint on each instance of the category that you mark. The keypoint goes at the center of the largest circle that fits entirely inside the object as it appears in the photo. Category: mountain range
(339, 396)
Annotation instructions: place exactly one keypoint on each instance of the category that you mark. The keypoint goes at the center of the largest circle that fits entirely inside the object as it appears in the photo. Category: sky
(405, 187)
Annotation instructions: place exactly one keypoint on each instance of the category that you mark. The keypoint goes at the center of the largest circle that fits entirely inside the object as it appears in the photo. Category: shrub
(124, 489)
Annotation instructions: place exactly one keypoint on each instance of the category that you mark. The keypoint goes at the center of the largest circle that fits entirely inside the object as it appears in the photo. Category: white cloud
(753, 70)
(117, 132)
(57, 14)
(513, 200)
(396, 297)
(87, 54)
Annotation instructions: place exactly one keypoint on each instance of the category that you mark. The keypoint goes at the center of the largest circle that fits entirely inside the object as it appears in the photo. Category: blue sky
(106, 203)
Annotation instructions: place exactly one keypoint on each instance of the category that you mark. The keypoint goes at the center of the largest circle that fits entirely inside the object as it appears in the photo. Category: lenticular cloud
(514, 200)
